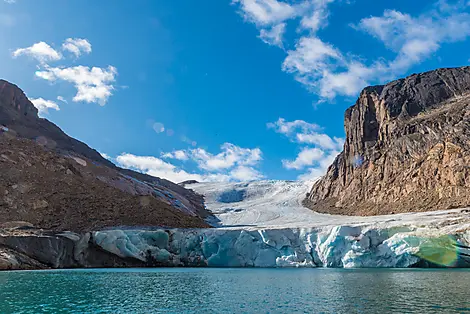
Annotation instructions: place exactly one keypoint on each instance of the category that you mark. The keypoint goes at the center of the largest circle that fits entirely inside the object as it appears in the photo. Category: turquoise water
(235, 291)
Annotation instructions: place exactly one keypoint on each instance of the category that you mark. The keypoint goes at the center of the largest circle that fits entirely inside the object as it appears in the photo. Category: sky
(219, 90)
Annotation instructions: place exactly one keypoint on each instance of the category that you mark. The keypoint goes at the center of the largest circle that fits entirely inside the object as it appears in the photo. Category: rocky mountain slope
(407, 148)
(52, 181)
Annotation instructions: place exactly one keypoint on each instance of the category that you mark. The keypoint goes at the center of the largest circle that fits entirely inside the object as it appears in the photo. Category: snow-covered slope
(278, 204)
(258, 204)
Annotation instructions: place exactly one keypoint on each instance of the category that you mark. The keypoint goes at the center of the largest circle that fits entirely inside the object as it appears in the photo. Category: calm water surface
(235, 291)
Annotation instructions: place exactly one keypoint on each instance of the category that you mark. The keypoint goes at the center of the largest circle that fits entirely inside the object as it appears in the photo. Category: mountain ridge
(48, 177)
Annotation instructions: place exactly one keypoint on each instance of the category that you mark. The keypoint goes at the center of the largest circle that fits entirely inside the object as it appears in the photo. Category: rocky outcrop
(407, 148)
(53, 181)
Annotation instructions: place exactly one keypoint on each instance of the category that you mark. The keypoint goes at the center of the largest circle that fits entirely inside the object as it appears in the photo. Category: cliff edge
(407, 149)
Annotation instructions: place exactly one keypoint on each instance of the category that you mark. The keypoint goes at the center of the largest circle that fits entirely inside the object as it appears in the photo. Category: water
(235, 291)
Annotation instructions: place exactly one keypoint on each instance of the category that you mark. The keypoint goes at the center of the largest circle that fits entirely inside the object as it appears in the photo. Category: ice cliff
(340, 246)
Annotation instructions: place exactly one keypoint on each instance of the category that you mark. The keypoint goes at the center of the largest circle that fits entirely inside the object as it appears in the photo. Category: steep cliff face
(407, 148)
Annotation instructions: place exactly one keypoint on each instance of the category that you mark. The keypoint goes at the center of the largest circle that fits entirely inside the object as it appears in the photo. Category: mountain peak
(14, 103)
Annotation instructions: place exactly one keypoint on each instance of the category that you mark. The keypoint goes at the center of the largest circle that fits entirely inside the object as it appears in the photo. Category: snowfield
(278, 205)
(263, 224)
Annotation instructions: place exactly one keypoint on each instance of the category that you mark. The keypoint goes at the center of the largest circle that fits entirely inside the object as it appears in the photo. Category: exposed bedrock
(407, 149)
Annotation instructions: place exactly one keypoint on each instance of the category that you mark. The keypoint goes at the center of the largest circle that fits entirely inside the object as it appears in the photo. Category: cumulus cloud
(318, 149)
(62, 99)
(416, 38)
(265, 12)
(40, 51)
(307, 157)
(290, 127)
(77, 46)
(270, 16)
(156, 167)
(273, 36)
(94, 85)
(319, 170)
(162, 169)
(177, 154)
(328, 72)
(230, 156)
(232, 163)
(43, 105)
(302, 132)
(244, 173)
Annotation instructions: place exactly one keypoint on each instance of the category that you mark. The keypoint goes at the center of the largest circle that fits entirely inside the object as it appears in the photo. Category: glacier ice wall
(339, 246)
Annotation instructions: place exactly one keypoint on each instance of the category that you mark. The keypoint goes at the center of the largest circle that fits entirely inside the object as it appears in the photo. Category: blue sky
(219, 89)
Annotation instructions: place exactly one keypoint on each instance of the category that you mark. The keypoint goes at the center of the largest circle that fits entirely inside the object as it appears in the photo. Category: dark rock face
(48, 250)
(407, 148)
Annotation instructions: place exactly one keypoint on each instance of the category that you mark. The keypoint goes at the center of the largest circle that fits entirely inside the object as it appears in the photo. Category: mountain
(407, 148)
(53, 181)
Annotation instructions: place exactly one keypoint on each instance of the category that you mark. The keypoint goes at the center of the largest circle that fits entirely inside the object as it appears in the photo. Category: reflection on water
(236, 291)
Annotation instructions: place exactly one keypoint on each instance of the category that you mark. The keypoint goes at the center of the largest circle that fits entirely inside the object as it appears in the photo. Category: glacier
(339, 246)
(263, 224)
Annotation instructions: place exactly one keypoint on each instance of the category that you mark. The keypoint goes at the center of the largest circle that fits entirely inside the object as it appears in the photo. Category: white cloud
(320, 169)
(62, 99)
(156, 167)
(159, 168)
(328, 72)
(40, 51)
(244, 173)
(177, 154)
(273, 36)
(77, 46)
(233, 163)
(321, 140)
(288, 128)
(265, 12)
(230, 156)
(416, 38)
(318, 149)
(302, 132)
(94, 85)
(310, 57)
(307, 157)
(10, 1)
(43, 105)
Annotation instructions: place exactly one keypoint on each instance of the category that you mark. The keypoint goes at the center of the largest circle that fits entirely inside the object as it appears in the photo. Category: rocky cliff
(50, 180)
(407, 148)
